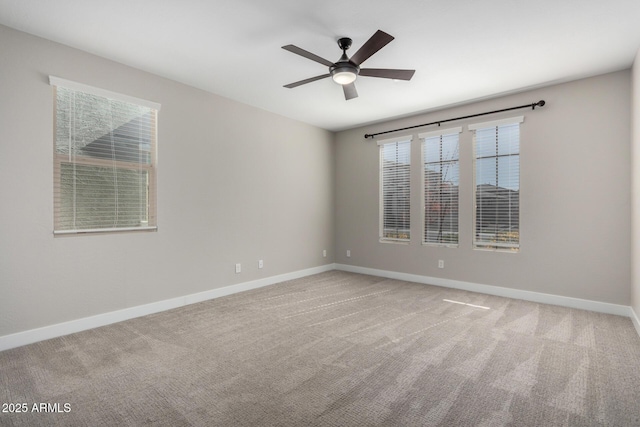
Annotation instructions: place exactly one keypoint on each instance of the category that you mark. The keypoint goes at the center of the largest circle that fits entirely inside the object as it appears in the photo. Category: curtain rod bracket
(533, 106)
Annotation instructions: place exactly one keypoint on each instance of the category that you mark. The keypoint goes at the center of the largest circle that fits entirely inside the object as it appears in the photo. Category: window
(104, 160)
(497, 184)
(441, 154)
(395, 197)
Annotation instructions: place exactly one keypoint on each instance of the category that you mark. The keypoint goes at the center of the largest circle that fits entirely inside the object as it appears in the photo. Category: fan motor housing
(344, 67)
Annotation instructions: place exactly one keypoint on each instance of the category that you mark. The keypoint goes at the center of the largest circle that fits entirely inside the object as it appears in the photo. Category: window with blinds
(104, 160)
(497, 184)
(441, 171)
(395, 197)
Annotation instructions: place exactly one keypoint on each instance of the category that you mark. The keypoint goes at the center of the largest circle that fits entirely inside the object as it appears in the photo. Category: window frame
(423, 138)
(407, 139)
(494, 246)
(59, 159)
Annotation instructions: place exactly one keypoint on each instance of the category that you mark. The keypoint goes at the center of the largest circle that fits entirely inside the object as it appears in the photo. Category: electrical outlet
(324, 253)
(260, 263)
(238, 268)
(348, 253)
(440, 263)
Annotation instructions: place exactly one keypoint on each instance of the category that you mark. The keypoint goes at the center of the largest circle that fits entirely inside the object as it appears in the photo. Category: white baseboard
(635, 319)
(47, 332)
(601, 307)
(254, 284)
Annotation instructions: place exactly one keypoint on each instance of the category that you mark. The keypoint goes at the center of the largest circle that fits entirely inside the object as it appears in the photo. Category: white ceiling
(462, 50)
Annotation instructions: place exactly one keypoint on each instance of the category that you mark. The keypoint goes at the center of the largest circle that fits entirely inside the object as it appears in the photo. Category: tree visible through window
(441, 153)
(104, 161)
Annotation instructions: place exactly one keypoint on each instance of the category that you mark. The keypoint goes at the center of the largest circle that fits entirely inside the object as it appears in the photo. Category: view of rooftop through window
(104, 152)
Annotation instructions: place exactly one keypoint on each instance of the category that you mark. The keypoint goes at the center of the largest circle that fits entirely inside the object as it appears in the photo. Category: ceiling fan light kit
(344, 75)
(346, 70)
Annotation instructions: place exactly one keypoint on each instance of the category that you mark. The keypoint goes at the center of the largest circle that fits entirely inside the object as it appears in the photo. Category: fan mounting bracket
(344, 43)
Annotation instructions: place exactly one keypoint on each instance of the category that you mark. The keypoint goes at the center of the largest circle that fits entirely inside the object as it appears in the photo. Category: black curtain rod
(532, 106)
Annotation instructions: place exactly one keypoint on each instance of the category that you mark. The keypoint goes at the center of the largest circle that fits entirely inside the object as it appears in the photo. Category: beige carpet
(336, 349)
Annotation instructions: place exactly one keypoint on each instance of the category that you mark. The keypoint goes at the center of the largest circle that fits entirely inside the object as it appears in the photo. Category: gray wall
(575, 198)
(238, 184)
(635, 187)
(235, 184)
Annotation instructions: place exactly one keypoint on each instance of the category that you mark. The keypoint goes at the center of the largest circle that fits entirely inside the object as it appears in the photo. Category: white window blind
(497, 184)
(441, 171)
(104, 160)
(395, 195)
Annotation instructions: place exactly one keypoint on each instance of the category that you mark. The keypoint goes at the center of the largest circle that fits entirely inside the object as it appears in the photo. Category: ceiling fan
(346, 70)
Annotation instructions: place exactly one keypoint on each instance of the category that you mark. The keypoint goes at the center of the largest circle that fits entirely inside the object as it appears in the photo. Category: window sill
(441, 245)
(395, 242)
(501, 250)
(102, 230)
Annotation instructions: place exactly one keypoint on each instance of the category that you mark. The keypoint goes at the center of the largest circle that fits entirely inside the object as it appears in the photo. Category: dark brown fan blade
(350, 91)
(305, 81)
(387, 73)
(306, 54)
(377, 41)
